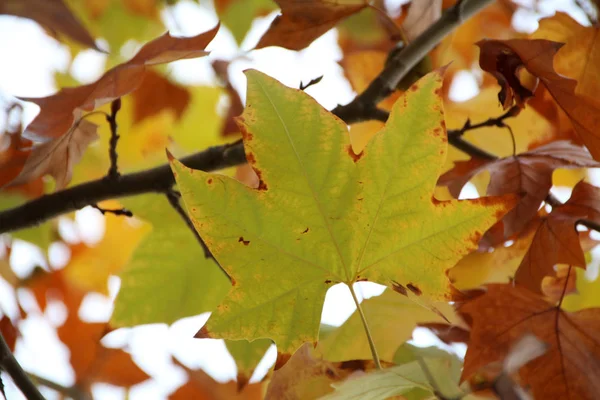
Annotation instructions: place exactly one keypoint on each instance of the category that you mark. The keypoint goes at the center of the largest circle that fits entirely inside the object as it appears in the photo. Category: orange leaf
(58, 111)
(157, 93)
(503, 58)
(556, 240)
(568, 370)
(57, 157)
(201, 386)
(301, 22)
(527, 174)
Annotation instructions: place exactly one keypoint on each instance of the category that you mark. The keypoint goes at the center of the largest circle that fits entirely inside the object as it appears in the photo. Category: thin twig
(174, 199)
(155, 180)
(120, 211)
(113, 171)
(497, 121)
(386, 82)
(366, 326)
(9, 363)
(70, 391)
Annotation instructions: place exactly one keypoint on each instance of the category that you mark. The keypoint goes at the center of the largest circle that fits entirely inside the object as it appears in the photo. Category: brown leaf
(91, 361)
(59, 110)
(307, 376)
(202, 387)
(570, 369)
(157, 93)
(503, 58)
(527, 174)
(52, 14)
(59, 156)
(235, 107)
(556, 240)
(303, 21)
(16, 152)
(421, 14)
(9, 332)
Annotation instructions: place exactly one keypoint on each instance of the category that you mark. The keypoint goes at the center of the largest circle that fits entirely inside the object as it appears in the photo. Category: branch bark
(9, 363)
(159, 179)
(364, 106)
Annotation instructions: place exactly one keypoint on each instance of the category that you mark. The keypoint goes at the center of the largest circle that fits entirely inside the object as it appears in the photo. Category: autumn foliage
(479, 217)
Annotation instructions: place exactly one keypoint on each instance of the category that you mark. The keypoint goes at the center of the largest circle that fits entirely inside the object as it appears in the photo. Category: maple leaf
(503, 58)
(91, 361)
(200, 385)
(246, 355)
(392, 319)
(52, 14)
(568, 370)
(323, 214)
(58, 111)
(155, 94)
(556, 239)
(581, 50)
(307, 376)
(301, 22)
(183, 284)
(527, 174)
(58, 156)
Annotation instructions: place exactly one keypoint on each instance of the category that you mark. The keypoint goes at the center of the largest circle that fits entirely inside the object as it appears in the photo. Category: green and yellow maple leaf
(323, 214)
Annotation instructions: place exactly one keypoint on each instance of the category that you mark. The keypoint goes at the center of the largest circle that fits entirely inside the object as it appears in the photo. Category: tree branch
(158, 179)
(361, 108)
(70, 391)
(9, 363)
(113, 171)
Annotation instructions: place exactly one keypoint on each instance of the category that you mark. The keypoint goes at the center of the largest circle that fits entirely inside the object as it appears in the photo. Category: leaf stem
(366, 326)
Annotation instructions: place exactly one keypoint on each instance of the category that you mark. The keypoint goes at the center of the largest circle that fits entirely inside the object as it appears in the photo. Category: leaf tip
(203, 333)
(282, 359)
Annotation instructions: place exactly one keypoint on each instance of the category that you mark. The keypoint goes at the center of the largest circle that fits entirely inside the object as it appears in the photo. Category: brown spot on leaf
(242, 381)
(209, 181)
(330, 373)
(361, 279)
(282, 359)
(233, 281)
(203, 333)
(399, 288)
(250, 157)
(305, 231)
(354, 365)
(355, 157)
(245, 242)
(246, 135)
(262, 185)
(360, 199)
(414, 289)
(328, 281)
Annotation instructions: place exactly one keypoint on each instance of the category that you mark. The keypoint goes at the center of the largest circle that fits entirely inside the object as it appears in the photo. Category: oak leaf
(504, 58)
(527, 174)
(568, 370)
(52, 14)
(323, 214)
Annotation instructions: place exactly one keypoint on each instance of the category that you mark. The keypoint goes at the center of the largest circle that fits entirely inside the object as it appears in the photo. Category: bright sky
(30, 58)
